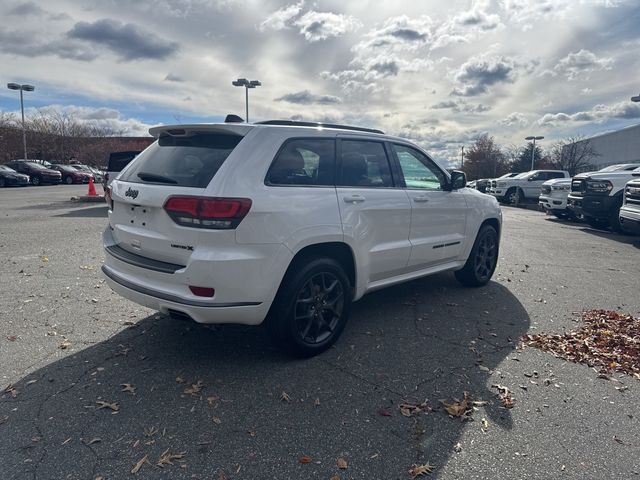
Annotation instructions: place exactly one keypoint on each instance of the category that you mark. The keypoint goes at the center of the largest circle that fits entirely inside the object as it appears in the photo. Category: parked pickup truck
(525, 186)
(553, 197)
(630, 210)
(598, 196)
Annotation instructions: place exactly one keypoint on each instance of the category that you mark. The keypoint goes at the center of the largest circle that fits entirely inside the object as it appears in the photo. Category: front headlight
(560, 187)
(600, 186)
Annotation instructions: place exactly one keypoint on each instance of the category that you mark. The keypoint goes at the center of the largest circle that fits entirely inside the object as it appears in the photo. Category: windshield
(616, 168)
(65, 168)
(522, 175)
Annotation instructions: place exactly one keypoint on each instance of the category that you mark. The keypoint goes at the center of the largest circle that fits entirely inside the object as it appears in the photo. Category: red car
(71, 175)
(38, 173)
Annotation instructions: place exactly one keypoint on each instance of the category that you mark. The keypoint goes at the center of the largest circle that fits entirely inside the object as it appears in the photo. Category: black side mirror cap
(458, 180)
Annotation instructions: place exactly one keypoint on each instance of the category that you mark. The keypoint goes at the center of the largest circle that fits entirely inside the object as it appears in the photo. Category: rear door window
(119, 160)
(364, 164)
(304, 161)
(182, 161)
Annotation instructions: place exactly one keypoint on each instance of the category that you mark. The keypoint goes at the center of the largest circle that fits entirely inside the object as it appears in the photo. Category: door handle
(421, 199)
(354, 199)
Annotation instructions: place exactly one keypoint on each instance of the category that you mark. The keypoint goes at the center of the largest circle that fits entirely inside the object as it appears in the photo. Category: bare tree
(484, 159)
(573, 154)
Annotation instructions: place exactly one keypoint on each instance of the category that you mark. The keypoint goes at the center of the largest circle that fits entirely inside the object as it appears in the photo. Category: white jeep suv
(525, 186)
(288, 222)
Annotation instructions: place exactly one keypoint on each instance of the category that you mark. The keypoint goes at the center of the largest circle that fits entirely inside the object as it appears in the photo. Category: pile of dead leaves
(608, 339)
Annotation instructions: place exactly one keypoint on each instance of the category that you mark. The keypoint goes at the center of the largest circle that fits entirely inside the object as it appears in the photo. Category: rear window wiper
(152, 177)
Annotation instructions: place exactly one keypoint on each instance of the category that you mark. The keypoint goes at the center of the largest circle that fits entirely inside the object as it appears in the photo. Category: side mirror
(458, 180)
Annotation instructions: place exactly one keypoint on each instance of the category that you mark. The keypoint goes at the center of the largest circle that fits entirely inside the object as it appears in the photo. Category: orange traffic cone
(92, 188)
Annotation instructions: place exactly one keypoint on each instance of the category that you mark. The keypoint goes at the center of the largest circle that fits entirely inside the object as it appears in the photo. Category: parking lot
(99, 387)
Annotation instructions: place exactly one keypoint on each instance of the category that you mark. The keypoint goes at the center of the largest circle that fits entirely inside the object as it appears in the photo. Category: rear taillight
(108, 198)
(206, 212)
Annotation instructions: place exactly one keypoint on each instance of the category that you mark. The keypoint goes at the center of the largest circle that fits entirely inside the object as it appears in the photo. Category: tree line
(59, 136)
(486, 159)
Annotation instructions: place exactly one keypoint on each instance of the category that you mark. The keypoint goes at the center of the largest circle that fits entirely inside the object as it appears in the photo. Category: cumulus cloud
(314, 26)
(305, 97)
(173, 78)
(282, 18)
(459, 106)
(578, 64)
(477, 75)
(515, 119)
(478, 17)
(128, 41)
(32, 44)
(26, 8)
(599, 113)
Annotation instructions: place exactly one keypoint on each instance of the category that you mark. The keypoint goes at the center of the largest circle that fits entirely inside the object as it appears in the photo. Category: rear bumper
(248, 313)
(245, 278)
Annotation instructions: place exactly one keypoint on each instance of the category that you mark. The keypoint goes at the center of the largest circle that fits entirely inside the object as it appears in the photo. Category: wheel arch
(339, 251)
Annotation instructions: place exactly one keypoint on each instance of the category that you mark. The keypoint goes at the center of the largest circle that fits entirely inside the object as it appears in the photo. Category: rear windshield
(190, 161)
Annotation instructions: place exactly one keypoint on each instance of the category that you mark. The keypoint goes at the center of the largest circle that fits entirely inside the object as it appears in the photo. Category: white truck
(629, 217)
(525, 186)
(598, 196)
(553, 197)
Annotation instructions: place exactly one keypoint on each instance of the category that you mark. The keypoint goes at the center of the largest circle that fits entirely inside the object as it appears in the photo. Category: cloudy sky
(437, 71)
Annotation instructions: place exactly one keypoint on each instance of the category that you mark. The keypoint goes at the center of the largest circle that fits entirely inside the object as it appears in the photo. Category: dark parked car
(71, 175)
(38, 173)
(8, 176)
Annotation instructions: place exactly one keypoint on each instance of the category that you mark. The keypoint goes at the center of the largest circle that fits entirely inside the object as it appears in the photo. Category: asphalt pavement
(99, 386)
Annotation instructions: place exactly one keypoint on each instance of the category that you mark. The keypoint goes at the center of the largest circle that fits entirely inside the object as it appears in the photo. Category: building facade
(621, 146)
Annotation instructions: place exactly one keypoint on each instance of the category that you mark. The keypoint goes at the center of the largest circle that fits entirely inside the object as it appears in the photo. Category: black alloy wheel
(483, 259)
(68, 180)
(319, 306)
(312, 306)
(36, 180)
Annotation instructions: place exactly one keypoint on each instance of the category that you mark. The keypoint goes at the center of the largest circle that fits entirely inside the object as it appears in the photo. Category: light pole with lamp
(22, 88)
(247, 84)
(533, 150)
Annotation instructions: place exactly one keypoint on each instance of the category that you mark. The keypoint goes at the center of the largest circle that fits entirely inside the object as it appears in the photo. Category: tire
(559, 214)
(36, 180)
(514, 197)
(301, 320)
(483, 259)
(614, 220)
(68, 180)
(597, 223)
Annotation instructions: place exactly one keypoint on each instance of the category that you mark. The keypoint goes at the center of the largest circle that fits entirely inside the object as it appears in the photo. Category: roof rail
(293, 123)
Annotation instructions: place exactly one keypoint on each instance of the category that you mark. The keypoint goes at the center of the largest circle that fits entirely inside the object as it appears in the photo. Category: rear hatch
(158, 208)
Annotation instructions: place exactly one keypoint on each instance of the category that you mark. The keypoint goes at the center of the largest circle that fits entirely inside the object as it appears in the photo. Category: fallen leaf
(127, 387)
(317, 402)
(44, 258)
(212, 399)
(113, 406)
(485, 424)
(420, 470)
(216, 420)
(94, 440)
(12, 338)
(618, 440)
(222, 475)
(66, 441)
(504, 395)
(284, 397)
(383, 412)
(408, 409)
(180, 380)
(64, 345)
(166, 458)
(150, 432)
(342, 463)
(139, 464)
(457, 447)
(305, 459)
(10, 389)
(194, 389)
(459, 408)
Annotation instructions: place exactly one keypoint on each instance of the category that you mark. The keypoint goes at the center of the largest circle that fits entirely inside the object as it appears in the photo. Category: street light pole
(247, 84)
(462, 158)
(533, 150)
(26, 88)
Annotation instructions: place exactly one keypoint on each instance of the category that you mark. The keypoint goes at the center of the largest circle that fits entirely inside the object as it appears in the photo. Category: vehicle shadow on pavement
(89, 212)
(224, 400)
(628, 239)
